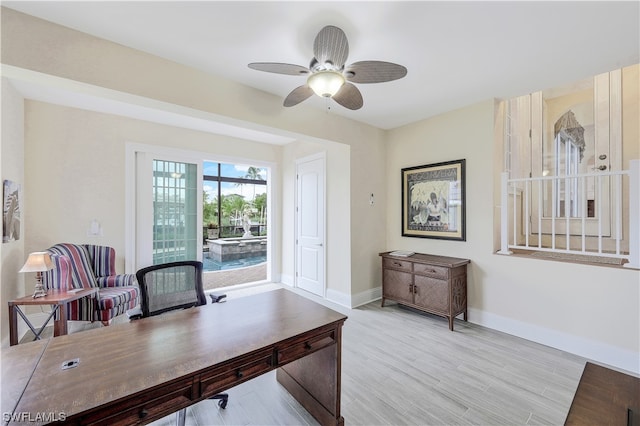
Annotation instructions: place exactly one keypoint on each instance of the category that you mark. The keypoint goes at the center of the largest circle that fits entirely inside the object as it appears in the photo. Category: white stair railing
(525, 186)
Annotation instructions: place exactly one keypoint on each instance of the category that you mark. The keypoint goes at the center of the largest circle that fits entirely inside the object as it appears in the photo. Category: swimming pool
(209, 264)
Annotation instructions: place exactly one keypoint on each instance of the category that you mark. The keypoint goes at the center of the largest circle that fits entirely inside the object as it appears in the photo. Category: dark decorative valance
(569, 125)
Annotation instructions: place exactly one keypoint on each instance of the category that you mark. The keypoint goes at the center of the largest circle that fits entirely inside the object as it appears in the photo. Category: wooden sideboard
(430, 283)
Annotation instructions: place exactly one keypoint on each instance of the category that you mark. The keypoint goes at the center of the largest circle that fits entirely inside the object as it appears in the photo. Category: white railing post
(634, 215)
(504, 214)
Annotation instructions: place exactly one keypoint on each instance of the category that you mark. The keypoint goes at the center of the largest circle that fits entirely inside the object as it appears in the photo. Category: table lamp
(38, 262)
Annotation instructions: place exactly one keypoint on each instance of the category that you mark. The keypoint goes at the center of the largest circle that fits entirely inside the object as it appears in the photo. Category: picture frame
(433, 201)
(12, 201)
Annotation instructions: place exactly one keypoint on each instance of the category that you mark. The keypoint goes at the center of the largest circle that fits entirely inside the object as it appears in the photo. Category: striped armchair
(85, 266)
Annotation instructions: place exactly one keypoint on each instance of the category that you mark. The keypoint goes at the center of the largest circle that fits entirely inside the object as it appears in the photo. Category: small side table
(58, 300)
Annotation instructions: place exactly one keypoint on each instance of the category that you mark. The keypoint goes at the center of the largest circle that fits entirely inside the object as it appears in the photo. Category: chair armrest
(120, 280)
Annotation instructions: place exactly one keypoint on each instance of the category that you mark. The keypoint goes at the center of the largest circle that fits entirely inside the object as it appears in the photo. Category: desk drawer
(302, 347)
(431, 271)
(236, 372)
(147, 407)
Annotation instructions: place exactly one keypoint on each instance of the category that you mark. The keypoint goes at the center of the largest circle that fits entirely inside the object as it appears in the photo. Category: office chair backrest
(169, 286)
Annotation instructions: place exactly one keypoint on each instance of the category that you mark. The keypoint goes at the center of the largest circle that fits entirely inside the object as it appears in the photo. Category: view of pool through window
(213, 265)
(234, 216)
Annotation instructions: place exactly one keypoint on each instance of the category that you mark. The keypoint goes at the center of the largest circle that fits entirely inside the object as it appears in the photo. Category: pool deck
(230, 277)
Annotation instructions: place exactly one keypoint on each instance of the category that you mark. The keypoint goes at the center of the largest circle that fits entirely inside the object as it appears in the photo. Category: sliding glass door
(175, 211)
(168, 209)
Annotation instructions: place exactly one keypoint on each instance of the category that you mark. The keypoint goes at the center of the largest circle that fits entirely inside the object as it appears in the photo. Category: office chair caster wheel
(222, 403)
(217, 298)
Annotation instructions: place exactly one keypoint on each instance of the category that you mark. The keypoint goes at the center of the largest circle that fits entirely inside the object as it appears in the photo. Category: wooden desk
(18, 364)
(58, 299)
(604, 397)
(138, 372)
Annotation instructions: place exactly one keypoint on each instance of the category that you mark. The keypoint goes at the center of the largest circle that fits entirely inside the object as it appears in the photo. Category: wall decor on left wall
(11, 212)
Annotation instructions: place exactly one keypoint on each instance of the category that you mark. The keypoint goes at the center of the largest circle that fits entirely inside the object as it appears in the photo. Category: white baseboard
(286, 279)
(339, 298)
(591, 349)
(356, 300)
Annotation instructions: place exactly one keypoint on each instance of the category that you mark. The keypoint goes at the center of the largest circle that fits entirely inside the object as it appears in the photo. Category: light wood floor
(400, 367)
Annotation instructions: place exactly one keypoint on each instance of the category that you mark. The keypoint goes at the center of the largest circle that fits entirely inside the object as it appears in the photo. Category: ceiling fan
(327, 74)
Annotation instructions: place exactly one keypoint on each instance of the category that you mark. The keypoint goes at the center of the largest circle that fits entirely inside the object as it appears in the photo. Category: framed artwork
(11, 212)
(433, 201)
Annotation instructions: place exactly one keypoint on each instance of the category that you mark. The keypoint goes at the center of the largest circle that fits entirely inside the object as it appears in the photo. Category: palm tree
(209, 209)
(253, 173)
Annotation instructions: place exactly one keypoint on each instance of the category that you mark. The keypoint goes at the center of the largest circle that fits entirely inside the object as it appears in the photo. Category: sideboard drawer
(392, 263)
(431, 271)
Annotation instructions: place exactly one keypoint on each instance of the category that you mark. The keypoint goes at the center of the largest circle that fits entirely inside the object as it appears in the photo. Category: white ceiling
(456, 53)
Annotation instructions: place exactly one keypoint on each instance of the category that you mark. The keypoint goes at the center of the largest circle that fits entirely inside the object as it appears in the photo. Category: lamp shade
(37, 262)
(325, 83)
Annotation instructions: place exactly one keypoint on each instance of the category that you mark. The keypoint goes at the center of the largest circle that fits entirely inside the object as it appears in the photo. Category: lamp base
(39, 291)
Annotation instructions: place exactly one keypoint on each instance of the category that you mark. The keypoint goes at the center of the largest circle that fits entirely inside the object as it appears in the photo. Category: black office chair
(171, 286)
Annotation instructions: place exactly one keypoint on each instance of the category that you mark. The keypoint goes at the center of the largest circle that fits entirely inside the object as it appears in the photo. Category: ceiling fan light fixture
(325, 83)
(328, 76)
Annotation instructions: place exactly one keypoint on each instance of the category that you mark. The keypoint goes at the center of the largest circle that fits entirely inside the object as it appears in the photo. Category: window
(233, 192)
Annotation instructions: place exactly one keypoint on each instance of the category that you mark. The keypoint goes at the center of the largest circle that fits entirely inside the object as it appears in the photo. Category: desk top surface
(17, 365)
(121, 360)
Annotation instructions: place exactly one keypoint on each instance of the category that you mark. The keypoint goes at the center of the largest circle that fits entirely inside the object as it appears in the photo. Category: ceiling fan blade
(278, 68)
(331, 45)
(374, 72)
(298, 95)
(349, 97)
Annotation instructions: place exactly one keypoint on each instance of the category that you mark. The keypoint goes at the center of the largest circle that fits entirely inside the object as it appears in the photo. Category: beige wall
(589, 310)
(12, 255)
(75, 166)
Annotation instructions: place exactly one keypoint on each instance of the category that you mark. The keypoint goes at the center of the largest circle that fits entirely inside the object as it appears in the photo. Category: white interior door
(310, 224)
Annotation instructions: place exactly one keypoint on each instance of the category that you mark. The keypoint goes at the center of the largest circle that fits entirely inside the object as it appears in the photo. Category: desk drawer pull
(303, 347)
(217, 379)
(143, 413)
